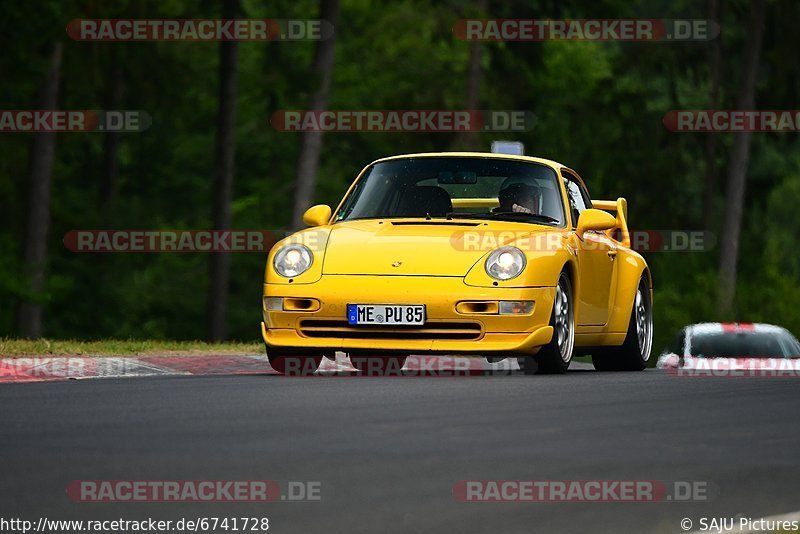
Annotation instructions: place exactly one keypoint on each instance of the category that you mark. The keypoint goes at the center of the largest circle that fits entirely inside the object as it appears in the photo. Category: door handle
(612, 254)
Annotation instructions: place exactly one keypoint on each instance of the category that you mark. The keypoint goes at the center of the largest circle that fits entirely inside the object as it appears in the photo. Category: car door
(596, 261)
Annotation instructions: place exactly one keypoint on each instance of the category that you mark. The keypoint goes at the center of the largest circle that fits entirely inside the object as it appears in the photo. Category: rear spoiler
(620, 206)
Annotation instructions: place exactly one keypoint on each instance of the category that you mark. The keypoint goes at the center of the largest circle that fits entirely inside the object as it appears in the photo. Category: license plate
(388, 314)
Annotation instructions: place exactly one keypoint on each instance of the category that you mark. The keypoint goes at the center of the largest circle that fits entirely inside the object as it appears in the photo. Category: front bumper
(445, 331)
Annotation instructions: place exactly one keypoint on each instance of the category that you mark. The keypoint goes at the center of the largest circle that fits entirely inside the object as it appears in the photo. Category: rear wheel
(555, 357)
(378, 365)
(294, 364)
(634, 352)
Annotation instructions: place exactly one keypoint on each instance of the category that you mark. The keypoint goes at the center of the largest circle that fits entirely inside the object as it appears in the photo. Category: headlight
(292, 260)
(505, 263)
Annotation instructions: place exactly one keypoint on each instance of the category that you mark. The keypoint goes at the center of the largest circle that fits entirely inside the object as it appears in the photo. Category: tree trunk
(711, 171)
(470, 140)
(108, 187)
(738, 163)
(311, 143)
(41, 164)
(220, 262)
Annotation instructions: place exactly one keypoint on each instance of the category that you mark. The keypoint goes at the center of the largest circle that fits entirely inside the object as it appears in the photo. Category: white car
(735, 341)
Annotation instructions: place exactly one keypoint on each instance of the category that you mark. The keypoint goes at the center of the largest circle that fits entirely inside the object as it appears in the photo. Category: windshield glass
(442, 187)
(744, 345)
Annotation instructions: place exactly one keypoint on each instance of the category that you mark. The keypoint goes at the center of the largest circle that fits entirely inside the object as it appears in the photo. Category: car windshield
(456, 188)
(744, 344)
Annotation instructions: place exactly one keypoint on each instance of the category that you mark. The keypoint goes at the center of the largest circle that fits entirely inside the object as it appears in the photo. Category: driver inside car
(518, 197)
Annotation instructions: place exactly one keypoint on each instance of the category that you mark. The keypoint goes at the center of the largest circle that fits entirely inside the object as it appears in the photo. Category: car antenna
(428, 217)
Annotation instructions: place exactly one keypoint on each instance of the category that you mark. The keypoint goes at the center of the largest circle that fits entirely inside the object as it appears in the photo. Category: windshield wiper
(523, 215)
(511, 215)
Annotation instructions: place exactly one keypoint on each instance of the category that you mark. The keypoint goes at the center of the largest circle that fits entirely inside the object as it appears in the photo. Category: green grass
(120, 347)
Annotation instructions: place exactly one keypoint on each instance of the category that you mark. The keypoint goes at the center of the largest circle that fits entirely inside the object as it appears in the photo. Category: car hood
(410, 246)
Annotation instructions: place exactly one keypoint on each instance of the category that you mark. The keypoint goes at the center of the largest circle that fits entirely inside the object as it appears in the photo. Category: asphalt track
(388, 451)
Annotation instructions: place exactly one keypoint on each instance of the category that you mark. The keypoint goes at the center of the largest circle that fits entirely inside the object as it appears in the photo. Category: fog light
(294, 304)
(472, 307)
(274, 303)
(516, 307)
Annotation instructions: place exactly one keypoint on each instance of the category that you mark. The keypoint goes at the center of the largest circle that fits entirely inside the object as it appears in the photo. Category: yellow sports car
(460, 253)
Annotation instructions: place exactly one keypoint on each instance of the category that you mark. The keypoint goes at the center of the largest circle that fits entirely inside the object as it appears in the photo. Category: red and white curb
(49, 368)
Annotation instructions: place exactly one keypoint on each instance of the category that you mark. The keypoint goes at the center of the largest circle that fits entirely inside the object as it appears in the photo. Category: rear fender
(630, 269)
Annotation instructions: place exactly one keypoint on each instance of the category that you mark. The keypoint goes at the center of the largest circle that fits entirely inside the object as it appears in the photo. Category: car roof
(489, 155)
(716, 328)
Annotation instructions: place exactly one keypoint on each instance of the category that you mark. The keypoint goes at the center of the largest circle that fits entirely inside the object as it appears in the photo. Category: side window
(350, 201)
(577, 196)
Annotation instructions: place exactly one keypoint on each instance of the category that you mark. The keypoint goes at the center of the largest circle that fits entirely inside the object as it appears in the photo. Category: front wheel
(634, 352)
(555, 357)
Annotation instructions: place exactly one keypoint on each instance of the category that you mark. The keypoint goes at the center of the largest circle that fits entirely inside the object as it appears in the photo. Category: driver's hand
(516, 208)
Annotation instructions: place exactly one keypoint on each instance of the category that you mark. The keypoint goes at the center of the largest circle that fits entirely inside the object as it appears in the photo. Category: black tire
(635, 351)
(555, 357)
(379, 365)
(294, 364)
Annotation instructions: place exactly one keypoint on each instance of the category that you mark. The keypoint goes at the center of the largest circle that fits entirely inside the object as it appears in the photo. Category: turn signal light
(516, 307)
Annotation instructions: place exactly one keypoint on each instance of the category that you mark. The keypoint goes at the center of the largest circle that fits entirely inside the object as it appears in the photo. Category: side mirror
(592, 219)
(317, 215)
